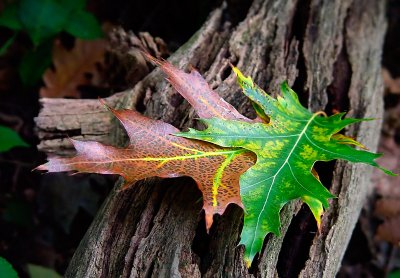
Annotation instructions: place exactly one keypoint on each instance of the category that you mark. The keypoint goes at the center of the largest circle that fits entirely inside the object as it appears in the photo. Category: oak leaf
(287, 148)
(286, 138)
(73, 68)
(389, 230)
(387, 206)
(153, 151)
(197, 92)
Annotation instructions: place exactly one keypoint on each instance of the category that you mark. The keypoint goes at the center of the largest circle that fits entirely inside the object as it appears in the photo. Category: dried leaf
(392, 84)
(388, 207)
(153, 151)
(390, 230)
(72, 67)
(387, 187)
(198, 93)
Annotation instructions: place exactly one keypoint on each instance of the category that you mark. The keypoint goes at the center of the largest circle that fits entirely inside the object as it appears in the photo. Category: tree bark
(329, 51)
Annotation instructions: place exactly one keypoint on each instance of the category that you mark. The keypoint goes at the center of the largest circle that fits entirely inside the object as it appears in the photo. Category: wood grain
(330, 51)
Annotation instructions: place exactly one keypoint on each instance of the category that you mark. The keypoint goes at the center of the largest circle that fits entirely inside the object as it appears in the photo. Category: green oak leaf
(287, 145)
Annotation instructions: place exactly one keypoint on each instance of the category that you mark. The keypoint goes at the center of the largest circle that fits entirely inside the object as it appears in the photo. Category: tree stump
(330, 53)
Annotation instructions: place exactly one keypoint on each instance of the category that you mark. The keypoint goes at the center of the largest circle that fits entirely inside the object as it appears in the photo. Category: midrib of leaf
(199, 135)
(217, 182)
(166, 159)
(274, 176)
(210, 107)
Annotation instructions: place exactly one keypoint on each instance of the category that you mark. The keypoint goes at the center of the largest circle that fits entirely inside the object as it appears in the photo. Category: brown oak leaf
(73, 68)
(153, 151)
(390, 230)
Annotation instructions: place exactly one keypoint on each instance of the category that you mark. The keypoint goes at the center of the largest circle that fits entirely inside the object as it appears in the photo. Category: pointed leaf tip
(195, 89)
(387, 172)
(285, 85)
(316, 208)
(151, 58)
(103, 102)
(242, 80)
(247, 262)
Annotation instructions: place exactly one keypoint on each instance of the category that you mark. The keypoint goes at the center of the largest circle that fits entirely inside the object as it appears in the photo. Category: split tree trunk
(330, 51)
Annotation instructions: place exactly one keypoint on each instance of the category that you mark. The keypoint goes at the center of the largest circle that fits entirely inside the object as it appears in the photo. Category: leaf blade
(194, 88)
(9, 17)
(10, 139)
(286, 149)
(7, 269)
(153, 151)
(71, 67)
(84, 25)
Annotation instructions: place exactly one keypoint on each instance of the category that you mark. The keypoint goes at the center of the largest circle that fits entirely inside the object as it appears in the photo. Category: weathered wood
(330, 51)
(82, 120)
